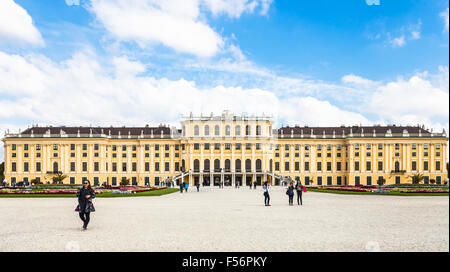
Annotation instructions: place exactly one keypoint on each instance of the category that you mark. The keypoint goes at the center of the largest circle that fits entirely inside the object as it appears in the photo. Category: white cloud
(444, 16)
(359, 81)
(421, 99)
(415, 35)
(73, 2)
(235, 8)
(178, 24)
(398, 42)
(16, 25)
(175, 24)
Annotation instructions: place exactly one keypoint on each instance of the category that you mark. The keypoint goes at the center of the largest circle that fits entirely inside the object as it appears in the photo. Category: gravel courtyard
(228, 220)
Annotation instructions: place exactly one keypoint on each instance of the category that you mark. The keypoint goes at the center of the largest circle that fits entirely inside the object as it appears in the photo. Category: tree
(125, 181)
(59, 178)
(34, 181)
(417, 178)
(381, 181)
(432, 181)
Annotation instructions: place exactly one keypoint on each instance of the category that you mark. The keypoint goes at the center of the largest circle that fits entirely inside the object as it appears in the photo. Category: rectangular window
(13, 147)
(357, 146)
(414, 166)
(124, 167)
(196, 146)
(380, 166)
(216, 146)
(380, 146)
(177, 147)
(25, 147)
(286, 147)
(307, 147)
(414, 154)
(84, 166)
(297, 147)
(147, 147)
(425, 166)
(328, 155)
(114, 166)
(356, 166)
(357, 181)
(72, 166)
(238, 146)
(329, 180)
(425, 146)
(227, 146)
(339, 180)
(156, 166)
(328, 166)
(25, 167)
(177, 166)
(96, 147)
(368, 154)
(55, 155)
(414, 146)
(438, 146)
(397, 146)
(72, 180)
(286, 155)
(286, 166)
(356, 154)
(438, 180)
(297, 166)
(319, 180)
(338, 166)
(124, 155)
(206, 146)
(38, 167)
(167, 147)
(338, 147)
(55, 147)
(96, 167)
(306, 166)
(319, 147)
(368, 166)
(438, 166)
(319, 155)
(248, 146)
(124, 147)
(84, 146)
(329, 147)
(38, 147)
(133, 166)
(368, 146)
(167, 155)
(147, 166)
(369, 180)
(13, 167)
(258, 146)
(114, 148)
(319, 166)
(277, 166)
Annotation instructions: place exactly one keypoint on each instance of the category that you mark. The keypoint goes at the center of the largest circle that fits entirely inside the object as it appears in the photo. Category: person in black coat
(85, 206)
(299, 189)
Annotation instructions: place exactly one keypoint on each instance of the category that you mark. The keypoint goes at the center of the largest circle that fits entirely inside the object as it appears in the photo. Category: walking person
(186, 185)
(254, 185)
(198, 186)
(182, 187)
(85, 206)
(290, 193)
(299, 189)
(266, 188)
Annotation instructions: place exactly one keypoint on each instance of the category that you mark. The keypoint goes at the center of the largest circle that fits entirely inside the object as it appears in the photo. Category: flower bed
(99, 190)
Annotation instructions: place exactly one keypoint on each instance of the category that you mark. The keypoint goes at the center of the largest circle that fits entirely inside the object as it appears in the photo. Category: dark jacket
(290, 190)
(84, 204)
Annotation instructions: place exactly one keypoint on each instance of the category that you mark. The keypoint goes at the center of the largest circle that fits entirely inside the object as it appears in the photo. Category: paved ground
(228, 220)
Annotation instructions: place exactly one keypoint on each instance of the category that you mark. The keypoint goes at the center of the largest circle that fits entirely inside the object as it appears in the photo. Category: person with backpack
(266, 188)
(186, 185)
(299, 189)
(290, 193)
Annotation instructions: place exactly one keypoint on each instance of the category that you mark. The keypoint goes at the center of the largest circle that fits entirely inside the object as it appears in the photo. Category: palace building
(229, 149)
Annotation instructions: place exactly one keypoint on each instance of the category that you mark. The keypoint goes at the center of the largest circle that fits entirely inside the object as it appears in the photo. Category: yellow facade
(227, 148)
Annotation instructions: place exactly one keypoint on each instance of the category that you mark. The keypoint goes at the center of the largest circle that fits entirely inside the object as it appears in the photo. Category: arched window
(206, 130)
(247, 130)
(238, 131)
(217, 130)
(55, 167)
(196, 165)
(227, 165)
(238, 165)
(216, 165)
(397, 166)
(206, 166)
(258, 130)
(196, 130)
(258, 165)
(227, 130)
(248, 165)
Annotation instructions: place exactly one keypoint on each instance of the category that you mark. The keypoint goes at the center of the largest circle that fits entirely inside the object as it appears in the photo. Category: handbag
(304, 189)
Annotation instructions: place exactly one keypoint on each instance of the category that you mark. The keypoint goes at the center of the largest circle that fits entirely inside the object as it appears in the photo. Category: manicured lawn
(369, 193)
(106, 194)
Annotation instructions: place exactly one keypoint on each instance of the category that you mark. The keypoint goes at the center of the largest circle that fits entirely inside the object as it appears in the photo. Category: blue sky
(322, 62)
